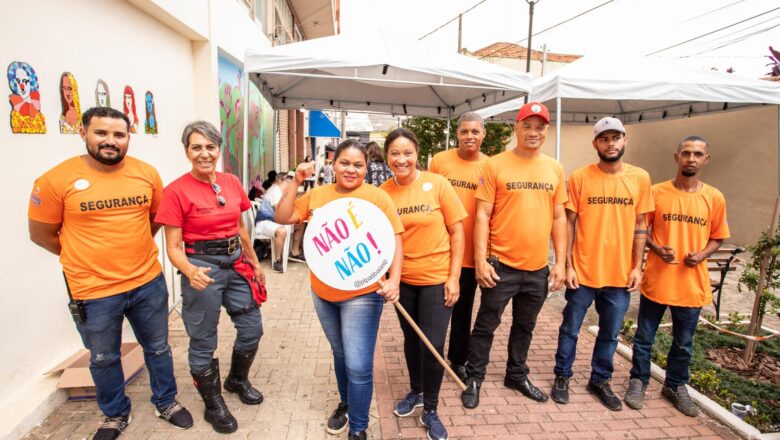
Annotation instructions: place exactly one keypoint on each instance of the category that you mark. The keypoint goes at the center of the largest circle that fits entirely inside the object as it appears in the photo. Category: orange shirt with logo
(684, 221)
(607, 206)
(321, 196)
(426, 207)
(464, 177)
(523, 192)
(107, 244)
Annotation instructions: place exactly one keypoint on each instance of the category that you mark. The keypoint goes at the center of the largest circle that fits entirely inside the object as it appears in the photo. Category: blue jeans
(146, 308)
(611, 305)
(351, 327)
(684, 321)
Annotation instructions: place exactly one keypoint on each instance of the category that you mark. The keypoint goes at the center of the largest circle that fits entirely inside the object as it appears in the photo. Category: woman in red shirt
(205, 236)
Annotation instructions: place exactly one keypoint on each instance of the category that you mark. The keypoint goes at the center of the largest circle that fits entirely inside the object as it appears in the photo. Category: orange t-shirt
(464, 176)
(426, 207)
(321, 196)
(523, 192)
(107, 245)
(607, 206)
(686, 222)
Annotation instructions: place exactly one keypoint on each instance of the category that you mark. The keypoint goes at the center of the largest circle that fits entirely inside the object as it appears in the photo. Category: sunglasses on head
(221, 202)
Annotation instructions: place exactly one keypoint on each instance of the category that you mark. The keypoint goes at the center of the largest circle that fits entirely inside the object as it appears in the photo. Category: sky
(619, 27)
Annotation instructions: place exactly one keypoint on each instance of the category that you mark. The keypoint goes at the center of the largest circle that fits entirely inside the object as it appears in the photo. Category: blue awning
(320, 125)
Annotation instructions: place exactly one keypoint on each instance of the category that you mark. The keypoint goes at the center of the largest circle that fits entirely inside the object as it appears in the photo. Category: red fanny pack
(244, 268)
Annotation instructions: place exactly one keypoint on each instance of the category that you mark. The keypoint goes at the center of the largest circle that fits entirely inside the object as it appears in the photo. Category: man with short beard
(96, 212)
(688, 225)
(607, 230)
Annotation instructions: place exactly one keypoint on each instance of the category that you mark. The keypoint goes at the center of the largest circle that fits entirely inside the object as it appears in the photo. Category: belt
(223, 246)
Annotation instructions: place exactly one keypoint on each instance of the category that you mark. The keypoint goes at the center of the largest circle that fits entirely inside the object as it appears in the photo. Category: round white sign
(349, 243)
(81, 184)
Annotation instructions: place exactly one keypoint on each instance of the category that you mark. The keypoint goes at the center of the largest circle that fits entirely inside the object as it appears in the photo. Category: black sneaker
(460, 371)
(112, 427)
(176, 415)
(300, 258)
(277, 266)
(603, 391)
(470, 396)
(357, 435)
(560, 390)
(338, 421)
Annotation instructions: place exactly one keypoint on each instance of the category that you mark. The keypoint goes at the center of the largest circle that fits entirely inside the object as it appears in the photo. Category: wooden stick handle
(430, 346)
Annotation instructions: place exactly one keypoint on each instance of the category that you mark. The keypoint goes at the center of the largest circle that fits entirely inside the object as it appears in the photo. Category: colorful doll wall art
(70, 117)
(128, 105)
(26, 116)
(150, 126)
(102, 97)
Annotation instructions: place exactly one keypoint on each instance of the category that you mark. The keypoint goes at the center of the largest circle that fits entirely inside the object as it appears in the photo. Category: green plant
(626, 330)
(734, 318)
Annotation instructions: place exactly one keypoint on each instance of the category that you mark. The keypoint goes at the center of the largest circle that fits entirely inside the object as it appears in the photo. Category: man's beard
(688, 173)
(104, 160)
(605, 158)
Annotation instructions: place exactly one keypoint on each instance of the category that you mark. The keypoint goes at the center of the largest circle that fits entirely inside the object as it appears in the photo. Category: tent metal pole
(244, 165)
(778, 148)
(447, 130)
(558, 128)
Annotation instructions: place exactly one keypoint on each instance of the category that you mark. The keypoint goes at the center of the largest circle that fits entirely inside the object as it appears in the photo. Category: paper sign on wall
(349, 243)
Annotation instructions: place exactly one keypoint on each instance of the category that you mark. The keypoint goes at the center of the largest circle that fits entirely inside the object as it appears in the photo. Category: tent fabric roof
(639, 89)
(379, 72)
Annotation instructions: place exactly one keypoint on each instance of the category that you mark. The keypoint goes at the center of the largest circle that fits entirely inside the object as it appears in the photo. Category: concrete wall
(744, 163)
(166, 46)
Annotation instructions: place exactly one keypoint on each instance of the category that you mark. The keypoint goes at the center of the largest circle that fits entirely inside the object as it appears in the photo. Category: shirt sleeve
(170, 212)
(157, 192)
(645, 203)
(46, 202)
(560, 197)
(573, 189)
(486, 190)
(720, 226)
(451, 206)
(302, 206)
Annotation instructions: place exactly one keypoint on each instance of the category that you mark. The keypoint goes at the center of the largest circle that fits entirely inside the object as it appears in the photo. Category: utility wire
(552, 27)
(451, 20)
(712, 11)
(731, 35)
(738, 39)
(712, 32)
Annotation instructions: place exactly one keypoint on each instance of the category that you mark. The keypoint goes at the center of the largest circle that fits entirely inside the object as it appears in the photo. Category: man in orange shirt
(462, 166)
(519, 206)
(688, 225)
(607, 229)
(96, 212)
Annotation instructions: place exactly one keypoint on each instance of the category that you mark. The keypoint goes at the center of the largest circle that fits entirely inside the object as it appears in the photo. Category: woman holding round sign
(430, 279)
(207, 241)
(352, 240)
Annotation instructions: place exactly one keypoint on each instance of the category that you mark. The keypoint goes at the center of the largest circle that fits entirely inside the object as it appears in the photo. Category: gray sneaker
(682, 401)
(635, 395)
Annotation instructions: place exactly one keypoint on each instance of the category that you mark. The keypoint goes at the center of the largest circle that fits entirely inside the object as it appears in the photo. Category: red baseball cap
(533, 109)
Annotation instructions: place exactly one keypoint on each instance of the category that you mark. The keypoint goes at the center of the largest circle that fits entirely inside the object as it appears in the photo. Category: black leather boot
(217, 413)
(238, 381)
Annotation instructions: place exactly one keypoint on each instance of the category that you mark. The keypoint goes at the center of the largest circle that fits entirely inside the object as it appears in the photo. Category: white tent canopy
(638, 89)
(379, 72)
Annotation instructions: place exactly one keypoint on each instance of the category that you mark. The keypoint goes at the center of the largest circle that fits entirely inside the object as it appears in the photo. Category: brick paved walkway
(294, 372)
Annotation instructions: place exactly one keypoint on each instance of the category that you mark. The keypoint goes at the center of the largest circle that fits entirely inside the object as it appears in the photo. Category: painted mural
(150, 125)
(70, 116)
(230, 116)
(128, 105)
(25, 99)
(102, 96)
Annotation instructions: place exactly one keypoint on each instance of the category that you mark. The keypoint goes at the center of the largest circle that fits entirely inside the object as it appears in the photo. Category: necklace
(417, 176)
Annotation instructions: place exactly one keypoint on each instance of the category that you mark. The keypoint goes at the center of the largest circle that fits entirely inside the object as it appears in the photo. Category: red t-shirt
(191, 204)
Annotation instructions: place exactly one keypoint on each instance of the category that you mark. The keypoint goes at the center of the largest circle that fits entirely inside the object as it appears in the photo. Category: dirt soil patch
(766, 367)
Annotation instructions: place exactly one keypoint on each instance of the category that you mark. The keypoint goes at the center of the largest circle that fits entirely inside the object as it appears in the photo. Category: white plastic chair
(256, 236)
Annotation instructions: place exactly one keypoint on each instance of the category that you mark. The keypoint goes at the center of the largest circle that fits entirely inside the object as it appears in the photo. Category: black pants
(460, 328)
(425, 304)
(527, 290)
(307, 185)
